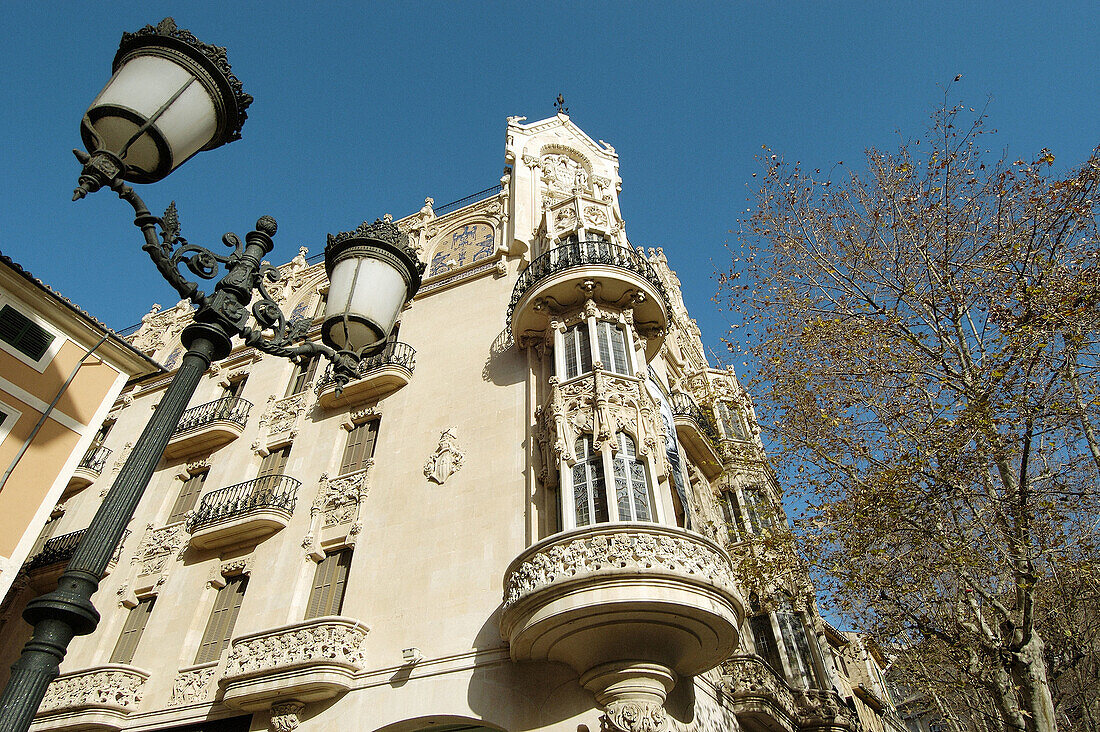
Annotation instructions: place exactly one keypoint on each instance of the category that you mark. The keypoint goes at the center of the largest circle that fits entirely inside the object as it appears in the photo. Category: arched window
(589, 495)
(631, 486)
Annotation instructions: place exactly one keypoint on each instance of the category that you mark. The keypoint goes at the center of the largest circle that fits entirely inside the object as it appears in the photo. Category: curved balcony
(89, 468)
(99, 698)
(825, 711)
(245, 513)
(47, 564)
(761, 699)
(304, 662)
(207, 426)
(379, 375)
(627, 606)
(698, 434)
(567, 275)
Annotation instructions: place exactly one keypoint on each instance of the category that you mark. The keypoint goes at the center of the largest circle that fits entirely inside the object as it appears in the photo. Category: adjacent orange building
(60, 372)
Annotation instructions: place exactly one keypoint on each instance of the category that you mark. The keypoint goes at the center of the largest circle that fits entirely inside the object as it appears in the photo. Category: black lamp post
(170, 97)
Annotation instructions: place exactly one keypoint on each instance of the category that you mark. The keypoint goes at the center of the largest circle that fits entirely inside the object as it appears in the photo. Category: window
(612, 342)
(578, 351)
(302, 375)
(220, 626)
(360, 446)
(731, 514)
(758, 509)
(188, 497)
(731, 426)
(589, 496)
(8, 418)
(132, 630)
(23, 334)
(234, 388)
(327, 597)
(272, 467)
(797, 646)
(631, 486)
(764, 640)
(101, 434)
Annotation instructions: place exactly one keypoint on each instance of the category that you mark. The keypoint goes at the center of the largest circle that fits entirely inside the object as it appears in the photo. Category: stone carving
(285, 716)
(748, 677)
(565, 218)
(193, 686)
(314, 641)
(562, 174)
(158, 545)
(595, 215)
(338, 499)
(114, 687)
(161, 327)
(447, 458)
(653, 549)
(282, 414)
(636, 715)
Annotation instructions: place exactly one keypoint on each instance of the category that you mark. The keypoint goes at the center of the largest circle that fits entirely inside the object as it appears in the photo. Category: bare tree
(923, 342)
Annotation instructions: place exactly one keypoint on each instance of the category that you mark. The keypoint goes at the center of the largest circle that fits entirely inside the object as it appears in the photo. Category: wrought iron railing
(61, 549)
(231, 409)
(579, 253)
(95, 458)
(684, 406)
(395, 353)
(259, 494)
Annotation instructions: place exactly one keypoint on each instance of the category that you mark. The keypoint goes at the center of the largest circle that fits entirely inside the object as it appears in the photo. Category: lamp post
(172, 96)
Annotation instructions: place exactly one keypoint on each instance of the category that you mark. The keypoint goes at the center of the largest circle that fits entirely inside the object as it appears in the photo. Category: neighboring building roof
(79, 312)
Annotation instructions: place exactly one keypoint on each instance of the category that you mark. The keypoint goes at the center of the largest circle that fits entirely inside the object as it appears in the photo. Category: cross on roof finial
(559, 104)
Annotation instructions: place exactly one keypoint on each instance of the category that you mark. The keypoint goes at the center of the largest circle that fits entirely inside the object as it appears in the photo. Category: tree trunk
(1030, 674)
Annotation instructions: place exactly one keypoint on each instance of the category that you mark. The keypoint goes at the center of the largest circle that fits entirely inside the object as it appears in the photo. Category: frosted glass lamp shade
(372, 274)
(170, 97)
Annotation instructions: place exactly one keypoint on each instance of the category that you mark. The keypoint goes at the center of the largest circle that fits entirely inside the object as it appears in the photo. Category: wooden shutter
(188, 497)
(24, 334)
(274, 463)
(132, 630)
(360, 446)
(302, 376)
(220, 626)
(327, 596)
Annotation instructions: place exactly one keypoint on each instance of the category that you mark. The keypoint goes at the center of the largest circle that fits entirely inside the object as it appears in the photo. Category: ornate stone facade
(337, 641)
(194, 685)
(109, 687)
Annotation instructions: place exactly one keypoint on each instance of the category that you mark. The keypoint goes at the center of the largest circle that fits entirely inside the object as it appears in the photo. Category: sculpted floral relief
(748, 676)
(109, 687)
(338, 499)
(636, 548)
(157, 546)
(313, 642)
(193, 686)
(636, 715)
(282, 414)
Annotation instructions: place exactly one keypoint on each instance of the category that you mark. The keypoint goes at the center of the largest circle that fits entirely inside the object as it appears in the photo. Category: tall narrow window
(578, 351)
(758, 509)
(631, 486)
(189, 495)
(101, 434)
(302, 375)
(797, 645)
(731, 515)
(132, 629)
(764, 640)
(612, 343)
(272, 467)
(219, 628)
(731, 425)
(327, 596)
(589, 496)
(23, 334)
(360, 446)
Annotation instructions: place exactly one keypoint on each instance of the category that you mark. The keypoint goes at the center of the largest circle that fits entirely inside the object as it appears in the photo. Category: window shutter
(360, 446)
(219, 628)
(135, 624)
(327, 596)
(189, 495)
(24, 334)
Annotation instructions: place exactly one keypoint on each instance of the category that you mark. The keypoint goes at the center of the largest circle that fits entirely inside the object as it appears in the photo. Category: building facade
(60, 372)
(529, 513)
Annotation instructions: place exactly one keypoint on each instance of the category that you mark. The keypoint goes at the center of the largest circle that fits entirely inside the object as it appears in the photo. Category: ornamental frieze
(326, 641)
(115, 687)
(193, 686)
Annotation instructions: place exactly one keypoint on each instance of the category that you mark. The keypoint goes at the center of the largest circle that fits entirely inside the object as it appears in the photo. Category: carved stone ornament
(635, 715)
(447, 458)
(282, 414)
(657, 550)
(158, 545)
(110, 687)
(160, 328)
(319, 641)
(596, 216)
(748, 678)
(338, 499)
(563, 175)
(193, 686)
(285, 716)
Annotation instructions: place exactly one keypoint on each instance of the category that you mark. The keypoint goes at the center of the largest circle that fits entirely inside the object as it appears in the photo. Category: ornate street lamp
(170, 97)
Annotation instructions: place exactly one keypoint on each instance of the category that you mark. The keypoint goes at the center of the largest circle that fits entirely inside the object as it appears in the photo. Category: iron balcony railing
(95, 458)
(580, 253)
(61, 549)
(230, 409)
(684, 406)
(395, 353)
(259, 494)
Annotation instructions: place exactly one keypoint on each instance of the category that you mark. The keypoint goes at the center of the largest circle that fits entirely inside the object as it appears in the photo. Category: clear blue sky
(363, 109)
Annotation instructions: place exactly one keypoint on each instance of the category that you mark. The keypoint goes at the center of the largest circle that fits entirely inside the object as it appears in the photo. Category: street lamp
(170, 97)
